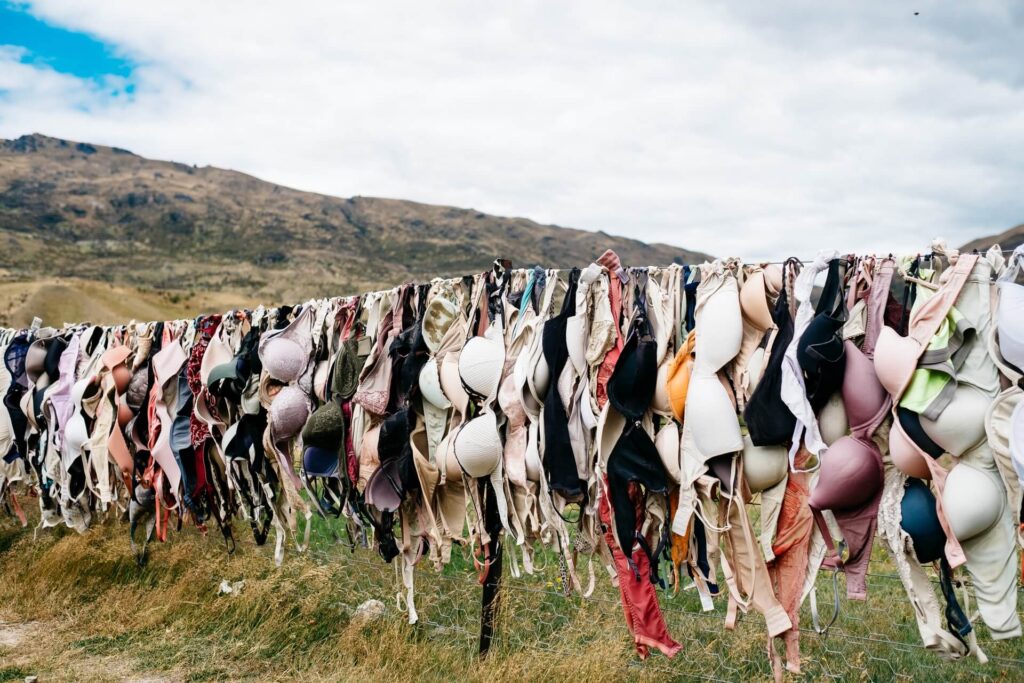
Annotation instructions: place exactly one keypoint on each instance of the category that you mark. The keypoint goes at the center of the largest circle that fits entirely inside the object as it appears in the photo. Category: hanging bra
(1010, 314)
(634, 458)
(769, 420)
(558, 459)
(719, 324)
(820, 351)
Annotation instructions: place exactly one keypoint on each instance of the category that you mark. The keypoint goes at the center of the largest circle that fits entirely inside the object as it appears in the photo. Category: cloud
(736, 128)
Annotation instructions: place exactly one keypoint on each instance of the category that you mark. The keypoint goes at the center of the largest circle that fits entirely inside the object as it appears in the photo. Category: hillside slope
(1008, 239)
(70, 209)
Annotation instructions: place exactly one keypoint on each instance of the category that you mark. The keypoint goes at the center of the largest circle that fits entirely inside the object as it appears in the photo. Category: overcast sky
(746, 128)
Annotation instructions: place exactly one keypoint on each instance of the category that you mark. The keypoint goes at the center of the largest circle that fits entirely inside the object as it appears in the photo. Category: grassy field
(78, 608)
(57, 301)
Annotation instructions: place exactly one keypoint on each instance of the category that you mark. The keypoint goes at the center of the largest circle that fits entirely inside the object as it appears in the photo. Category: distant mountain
(1009, 239)
(74, 209)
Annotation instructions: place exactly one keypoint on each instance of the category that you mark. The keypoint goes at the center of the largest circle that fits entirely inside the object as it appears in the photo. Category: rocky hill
(77, 210)
(1009, 239)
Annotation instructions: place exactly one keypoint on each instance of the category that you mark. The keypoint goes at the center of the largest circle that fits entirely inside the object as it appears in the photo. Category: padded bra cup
(284, 359)
(820, 353)
(721, 329)
(832, 420)
(53, 354)
(715, 427)
(451, 381)
(920, 519)
(289, 411)
(76, 435)
(1010, 323)
(122, 377)
(124, 414)
(905, 453)
(754, 303)
(851, 474)
(320, 462)
(961, 426)
(973, 501)
(864, 397)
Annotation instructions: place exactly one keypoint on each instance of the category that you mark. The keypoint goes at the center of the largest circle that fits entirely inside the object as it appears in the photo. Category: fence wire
(876, 639)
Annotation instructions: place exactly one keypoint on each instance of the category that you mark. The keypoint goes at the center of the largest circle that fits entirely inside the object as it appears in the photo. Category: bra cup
(863, 395)
(895, 360)
(533, 464)
(288, 412)
(721, 328)
(1010, 323)
(576, 343)
(678, 377)
(76, 435)
(610, 426)
(430, 385)
(754, 303)
(763, 466)
(321, 375)
(961, 426)
(124, 414)
(905, 454)
(919, 518)
(519, 371)
(832, 420)
(369, 460)
(716, 430)
(478, 446)
(755, 367)
(440, 315)
(587, 415)
(480, 365)
(851, 475)
(973, 501)
(441, 456)
(451, 382)
(541, 378)
(122, 377)
(667, 443)
(773, 278)
(661, 404)
(283, 359)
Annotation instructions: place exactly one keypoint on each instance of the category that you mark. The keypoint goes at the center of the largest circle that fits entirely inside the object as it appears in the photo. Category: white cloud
(730, 128)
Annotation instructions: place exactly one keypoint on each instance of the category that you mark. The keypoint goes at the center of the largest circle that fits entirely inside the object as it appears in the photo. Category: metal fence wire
(876, 639)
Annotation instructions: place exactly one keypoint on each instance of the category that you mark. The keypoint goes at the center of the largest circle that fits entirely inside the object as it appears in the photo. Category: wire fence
(876, 639)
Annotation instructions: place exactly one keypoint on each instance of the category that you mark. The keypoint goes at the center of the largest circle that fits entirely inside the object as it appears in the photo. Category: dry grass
(57, 301)
(93, 615)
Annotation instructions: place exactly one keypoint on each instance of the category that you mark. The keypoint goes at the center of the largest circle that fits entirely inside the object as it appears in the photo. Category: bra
(852, 474)
(285, 353)
(896, 357)
(820, 351)
(709, 406)
(769, 420)
(634, 458)
(1010, 313)
(754, 296)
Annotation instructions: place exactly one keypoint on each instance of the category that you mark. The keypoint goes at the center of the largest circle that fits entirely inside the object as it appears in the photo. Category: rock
(369, 611)
(31, 679)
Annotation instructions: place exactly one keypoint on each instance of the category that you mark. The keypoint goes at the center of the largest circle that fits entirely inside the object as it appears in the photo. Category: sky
(760, 130)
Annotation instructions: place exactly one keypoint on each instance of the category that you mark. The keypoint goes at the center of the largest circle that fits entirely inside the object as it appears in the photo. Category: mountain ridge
(1008, 239)
(82, 210)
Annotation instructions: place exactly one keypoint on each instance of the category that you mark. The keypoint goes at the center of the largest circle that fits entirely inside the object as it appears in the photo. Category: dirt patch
(29, 646)
(13, 635)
